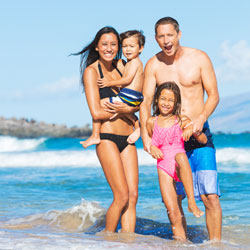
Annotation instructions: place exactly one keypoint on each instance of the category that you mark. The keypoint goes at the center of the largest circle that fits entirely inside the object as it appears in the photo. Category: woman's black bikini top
(107, 91)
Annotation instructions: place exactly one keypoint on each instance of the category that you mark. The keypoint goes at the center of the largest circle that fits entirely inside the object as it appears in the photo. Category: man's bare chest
(186, 75)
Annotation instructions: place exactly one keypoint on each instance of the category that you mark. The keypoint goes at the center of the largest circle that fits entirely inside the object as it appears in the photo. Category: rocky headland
(24, 128)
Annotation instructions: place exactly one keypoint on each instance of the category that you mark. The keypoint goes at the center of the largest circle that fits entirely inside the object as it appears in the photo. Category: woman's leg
(110, 159)
(130, 164)
(170, 200)
(185, 174)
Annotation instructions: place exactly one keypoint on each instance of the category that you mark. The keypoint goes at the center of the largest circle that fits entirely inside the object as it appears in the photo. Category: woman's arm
(93, 99)
(120, 108)
(93, 96)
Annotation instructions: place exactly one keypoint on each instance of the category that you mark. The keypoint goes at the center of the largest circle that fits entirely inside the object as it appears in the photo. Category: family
(172, 85)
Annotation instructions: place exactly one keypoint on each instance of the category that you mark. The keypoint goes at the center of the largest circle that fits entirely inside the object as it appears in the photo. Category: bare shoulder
(120, 63)
(136, 62)
(152, 63)
(91, 69)
(197, 55)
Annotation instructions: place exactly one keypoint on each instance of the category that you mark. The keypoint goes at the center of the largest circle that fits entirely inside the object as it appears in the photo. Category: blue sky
(39, 80)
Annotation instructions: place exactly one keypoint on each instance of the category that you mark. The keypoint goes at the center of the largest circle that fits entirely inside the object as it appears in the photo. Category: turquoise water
(53, 195)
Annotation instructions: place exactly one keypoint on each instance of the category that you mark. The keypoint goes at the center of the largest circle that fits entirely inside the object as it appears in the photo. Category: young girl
(168, 132)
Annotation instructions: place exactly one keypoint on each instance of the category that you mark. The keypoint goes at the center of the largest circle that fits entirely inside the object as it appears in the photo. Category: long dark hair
(172, 86)
(89, 54)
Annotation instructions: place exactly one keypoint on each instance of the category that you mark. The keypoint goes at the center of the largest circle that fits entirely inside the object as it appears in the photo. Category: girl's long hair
(172, 86)
(89, 54)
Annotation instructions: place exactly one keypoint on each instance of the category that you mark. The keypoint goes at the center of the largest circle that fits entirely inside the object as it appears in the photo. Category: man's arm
(149, 86)
(209, 82)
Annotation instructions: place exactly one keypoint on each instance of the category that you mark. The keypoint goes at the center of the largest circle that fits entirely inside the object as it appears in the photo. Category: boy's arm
(128, 76)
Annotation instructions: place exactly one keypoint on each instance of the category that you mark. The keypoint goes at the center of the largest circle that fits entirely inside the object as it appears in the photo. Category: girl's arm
(154, 150)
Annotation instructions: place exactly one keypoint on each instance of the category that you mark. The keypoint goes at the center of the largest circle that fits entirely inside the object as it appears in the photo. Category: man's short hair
(167, 20)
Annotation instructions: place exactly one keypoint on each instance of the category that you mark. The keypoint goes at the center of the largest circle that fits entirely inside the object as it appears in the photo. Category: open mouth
(168, 47)
(108, 54)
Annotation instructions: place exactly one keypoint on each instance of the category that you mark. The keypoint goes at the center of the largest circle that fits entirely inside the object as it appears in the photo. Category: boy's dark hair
(137, 33)
(167, 20)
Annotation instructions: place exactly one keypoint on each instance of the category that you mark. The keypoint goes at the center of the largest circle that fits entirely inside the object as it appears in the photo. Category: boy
(132, 45)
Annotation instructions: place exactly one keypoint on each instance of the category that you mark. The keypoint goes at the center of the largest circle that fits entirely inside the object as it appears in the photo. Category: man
(193, 72)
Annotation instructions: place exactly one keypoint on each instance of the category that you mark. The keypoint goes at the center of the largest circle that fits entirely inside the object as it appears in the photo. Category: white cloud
(236, 62)
(61, 86)
(64, 87)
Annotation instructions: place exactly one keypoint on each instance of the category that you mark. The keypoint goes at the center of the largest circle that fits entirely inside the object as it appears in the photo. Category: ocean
(53, 195)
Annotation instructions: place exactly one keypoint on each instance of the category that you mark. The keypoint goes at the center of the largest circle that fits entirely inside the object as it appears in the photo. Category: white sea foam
(237, 155)
(12, 144)
(88, 158)
(74, 219)
(74, 158)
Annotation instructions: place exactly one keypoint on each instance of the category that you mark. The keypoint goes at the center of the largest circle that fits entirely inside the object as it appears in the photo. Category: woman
(118, 158)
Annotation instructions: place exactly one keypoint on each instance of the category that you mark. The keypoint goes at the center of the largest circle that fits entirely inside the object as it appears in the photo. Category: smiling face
(107, 46)
(131, 48)
(166, 102)
(168, 39)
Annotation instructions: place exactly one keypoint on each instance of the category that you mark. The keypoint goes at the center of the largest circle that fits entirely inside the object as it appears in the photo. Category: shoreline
(24, 128)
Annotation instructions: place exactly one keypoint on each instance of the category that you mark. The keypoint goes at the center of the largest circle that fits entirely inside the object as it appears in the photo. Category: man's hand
(156, 152)
(103, 82)
(197, 124)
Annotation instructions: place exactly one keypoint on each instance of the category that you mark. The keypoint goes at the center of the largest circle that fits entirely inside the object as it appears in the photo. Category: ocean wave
(234, 155)
(13, 144)
(62, 229)
(74, 219)
(61, 158)
(88, 158)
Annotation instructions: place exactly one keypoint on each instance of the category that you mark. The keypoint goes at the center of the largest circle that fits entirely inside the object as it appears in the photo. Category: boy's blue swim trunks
(203, 164)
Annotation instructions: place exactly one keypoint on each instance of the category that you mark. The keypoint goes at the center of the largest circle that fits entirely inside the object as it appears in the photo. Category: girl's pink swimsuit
(170, 142)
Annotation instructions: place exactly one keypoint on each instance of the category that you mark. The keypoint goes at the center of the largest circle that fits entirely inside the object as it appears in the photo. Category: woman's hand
(102, 82)
(119, 107)
(156, 152)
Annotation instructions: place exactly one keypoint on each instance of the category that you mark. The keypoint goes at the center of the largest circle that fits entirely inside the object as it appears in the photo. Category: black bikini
(119, 140)
(107, 91)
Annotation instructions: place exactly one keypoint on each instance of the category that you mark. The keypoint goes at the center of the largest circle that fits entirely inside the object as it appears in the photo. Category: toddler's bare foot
(195, 210)
(134, 136)
(90, 141)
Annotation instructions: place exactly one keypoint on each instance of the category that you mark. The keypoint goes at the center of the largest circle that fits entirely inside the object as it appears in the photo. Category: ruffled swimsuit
(169, 140)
